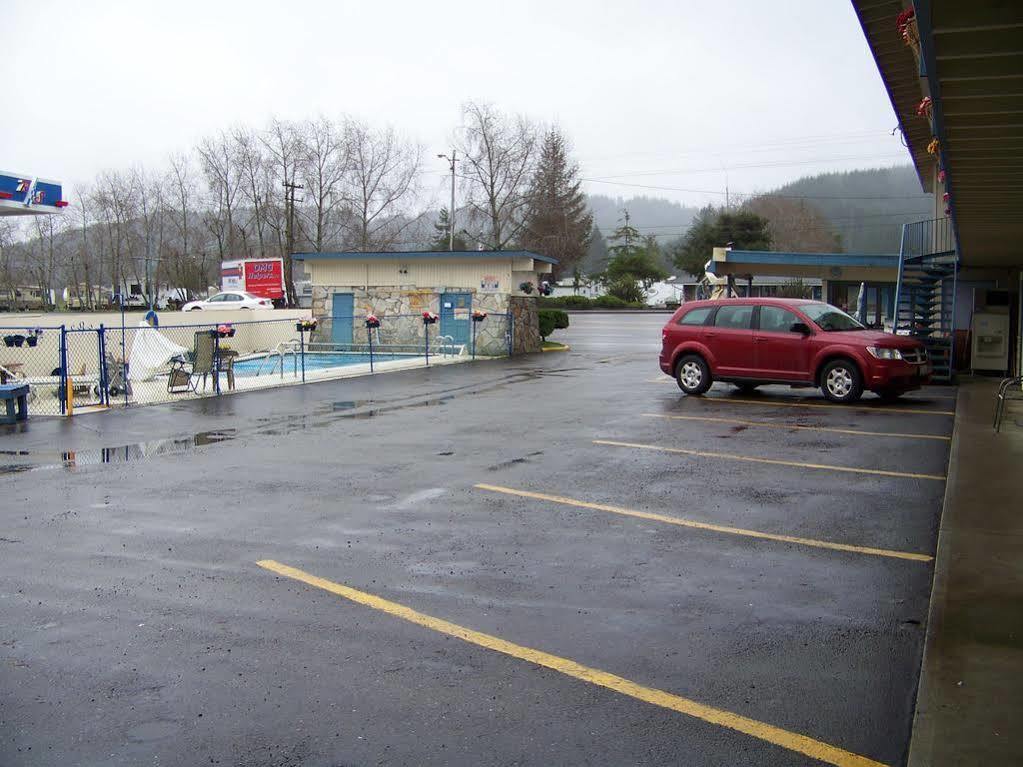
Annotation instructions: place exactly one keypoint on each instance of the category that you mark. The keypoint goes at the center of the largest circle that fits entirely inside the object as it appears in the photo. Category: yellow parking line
(766, 425)
(791, 741)
(681, 522)
(775, 403)
(773, 461)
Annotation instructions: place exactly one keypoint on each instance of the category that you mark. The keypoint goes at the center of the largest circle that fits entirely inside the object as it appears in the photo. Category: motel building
(397, 287)
(953, 71)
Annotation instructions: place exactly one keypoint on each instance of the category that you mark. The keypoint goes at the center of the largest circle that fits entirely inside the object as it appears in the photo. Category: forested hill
(650, 215)
(866, 207)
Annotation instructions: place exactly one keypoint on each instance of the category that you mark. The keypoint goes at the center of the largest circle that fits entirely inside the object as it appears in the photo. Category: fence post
(301, 349)
(63, 370)
(104, 392)
(426, 333)
(216, 361)
(474, 324)
(511, 333)
(369, 338)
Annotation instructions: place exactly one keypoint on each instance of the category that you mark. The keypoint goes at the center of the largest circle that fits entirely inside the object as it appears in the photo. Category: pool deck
(154, 391)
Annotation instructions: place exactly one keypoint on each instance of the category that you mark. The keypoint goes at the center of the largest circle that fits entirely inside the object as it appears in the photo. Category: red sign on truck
(263, 277)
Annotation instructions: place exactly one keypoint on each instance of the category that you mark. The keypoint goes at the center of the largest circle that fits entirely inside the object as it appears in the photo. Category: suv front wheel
(693, 375)
(841, 381)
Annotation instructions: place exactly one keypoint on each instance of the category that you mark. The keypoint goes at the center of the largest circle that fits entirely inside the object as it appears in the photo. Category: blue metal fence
(81, 367)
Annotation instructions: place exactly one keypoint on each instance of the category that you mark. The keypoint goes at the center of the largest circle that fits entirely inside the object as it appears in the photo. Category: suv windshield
(831, 318)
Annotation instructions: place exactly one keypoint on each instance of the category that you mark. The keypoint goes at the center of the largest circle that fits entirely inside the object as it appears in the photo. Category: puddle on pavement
(136, 451)
(268, 426)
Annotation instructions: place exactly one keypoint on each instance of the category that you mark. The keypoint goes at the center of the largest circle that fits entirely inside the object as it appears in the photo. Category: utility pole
(289, 236)
(451, 211)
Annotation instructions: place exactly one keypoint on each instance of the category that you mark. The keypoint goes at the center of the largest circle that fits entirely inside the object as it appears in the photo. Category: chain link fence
(74, 369)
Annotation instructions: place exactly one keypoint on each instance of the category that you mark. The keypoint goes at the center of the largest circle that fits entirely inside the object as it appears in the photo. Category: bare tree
(250, 156)
(500, 155)
(324, 164)
(284, 143)
(382, 177)
(220, 168)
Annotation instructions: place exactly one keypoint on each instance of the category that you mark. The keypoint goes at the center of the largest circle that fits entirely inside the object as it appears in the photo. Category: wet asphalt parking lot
(556, 559)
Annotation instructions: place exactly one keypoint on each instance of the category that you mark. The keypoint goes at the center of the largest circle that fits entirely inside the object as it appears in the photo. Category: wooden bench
(15, 397)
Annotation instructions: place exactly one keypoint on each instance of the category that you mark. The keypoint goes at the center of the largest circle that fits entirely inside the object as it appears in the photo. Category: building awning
(827, 266)
(971, 67)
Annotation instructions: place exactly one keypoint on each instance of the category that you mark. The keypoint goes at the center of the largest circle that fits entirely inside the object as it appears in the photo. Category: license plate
(925, 370)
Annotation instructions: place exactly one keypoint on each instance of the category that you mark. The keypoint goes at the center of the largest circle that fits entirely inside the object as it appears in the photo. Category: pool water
(313, 361)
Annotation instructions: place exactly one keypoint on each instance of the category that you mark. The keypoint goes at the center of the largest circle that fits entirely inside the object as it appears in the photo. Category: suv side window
(696, 316)
(774, 319)
(738, 317)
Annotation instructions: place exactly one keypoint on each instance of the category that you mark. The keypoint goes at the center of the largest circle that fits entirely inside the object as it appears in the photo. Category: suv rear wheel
(693, 375)
(841, 381)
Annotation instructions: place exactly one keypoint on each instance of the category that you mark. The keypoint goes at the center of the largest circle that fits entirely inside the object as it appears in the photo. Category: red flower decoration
(945, 197)
(903, 19)
(924, 107)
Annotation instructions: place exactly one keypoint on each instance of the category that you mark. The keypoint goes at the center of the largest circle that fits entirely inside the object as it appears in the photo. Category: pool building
(398, 287)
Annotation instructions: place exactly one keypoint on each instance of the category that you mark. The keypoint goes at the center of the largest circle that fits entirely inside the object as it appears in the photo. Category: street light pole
(451, 211)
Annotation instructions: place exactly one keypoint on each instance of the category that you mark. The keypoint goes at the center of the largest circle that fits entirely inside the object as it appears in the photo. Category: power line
(744, 166)
(760, 194)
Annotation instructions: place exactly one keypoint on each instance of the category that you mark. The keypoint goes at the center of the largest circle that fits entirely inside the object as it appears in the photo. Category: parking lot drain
(681, 522)
(772, 461)
(802, 744)
(830, 429)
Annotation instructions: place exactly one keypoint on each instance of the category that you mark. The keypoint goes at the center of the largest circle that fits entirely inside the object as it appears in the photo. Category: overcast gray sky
(652, 93)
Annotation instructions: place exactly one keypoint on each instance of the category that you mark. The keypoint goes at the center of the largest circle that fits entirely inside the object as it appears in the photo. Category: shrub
(610, 302)
(547, 322)
(560, 318)
(565, 302)
(628, 290)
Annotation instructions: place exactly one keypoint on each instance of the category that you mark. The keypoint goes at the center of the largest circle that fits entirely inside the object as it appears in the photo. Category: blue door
(455, 309)
(342, 309)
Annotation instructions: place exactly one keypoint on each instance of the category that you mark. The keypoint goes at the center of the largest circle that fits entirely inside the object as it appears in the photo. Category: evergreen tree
(632, 263)
(558, 222)
(716, 228)
(440, 241)
(596, 258)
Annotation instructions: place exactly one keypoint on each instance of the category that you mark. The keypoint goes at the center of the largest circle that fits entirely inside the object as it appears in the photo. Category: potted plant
(526, 287)
(372, 321)
(429, 318)
(478, 316)
(33, 337)
(924, 107)
(306, 326)
(225, 330)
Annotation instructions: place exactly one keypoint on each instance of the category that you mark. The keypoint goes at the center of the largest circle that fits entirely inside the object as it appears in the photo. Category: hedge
(582, 302)
(551, 320)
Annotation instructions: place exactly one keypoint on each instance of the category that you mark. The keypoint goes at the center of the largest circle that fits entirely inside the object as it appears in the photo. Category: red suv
(754, 341)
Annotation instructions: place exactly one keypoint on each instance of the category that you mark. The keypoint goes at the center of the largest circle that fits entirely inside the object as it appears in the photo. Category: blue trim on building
(880, 261)
(928, 64)
(416, 254)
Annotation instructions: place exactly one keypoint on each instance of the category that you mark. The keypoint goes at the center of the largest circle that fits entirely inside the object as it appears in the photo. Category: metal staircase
(926, 290)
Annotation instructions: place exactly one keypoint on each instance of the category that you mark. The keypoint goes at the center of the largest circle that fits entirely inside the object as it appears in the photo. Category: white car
(229, 299)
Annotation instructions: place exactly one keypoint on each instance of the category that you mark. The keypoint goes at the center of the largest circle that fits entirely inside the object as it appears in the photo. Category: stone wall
(400, 312)
(526, 325)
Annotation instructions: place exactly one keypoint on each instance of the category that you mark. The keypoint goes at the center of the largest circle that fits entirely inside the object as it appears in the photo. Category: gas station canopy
(25, 195)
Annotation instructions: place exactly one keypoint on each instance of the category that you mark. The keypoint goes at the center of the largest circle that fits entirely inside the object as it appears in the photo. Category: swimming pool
(264, 365)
